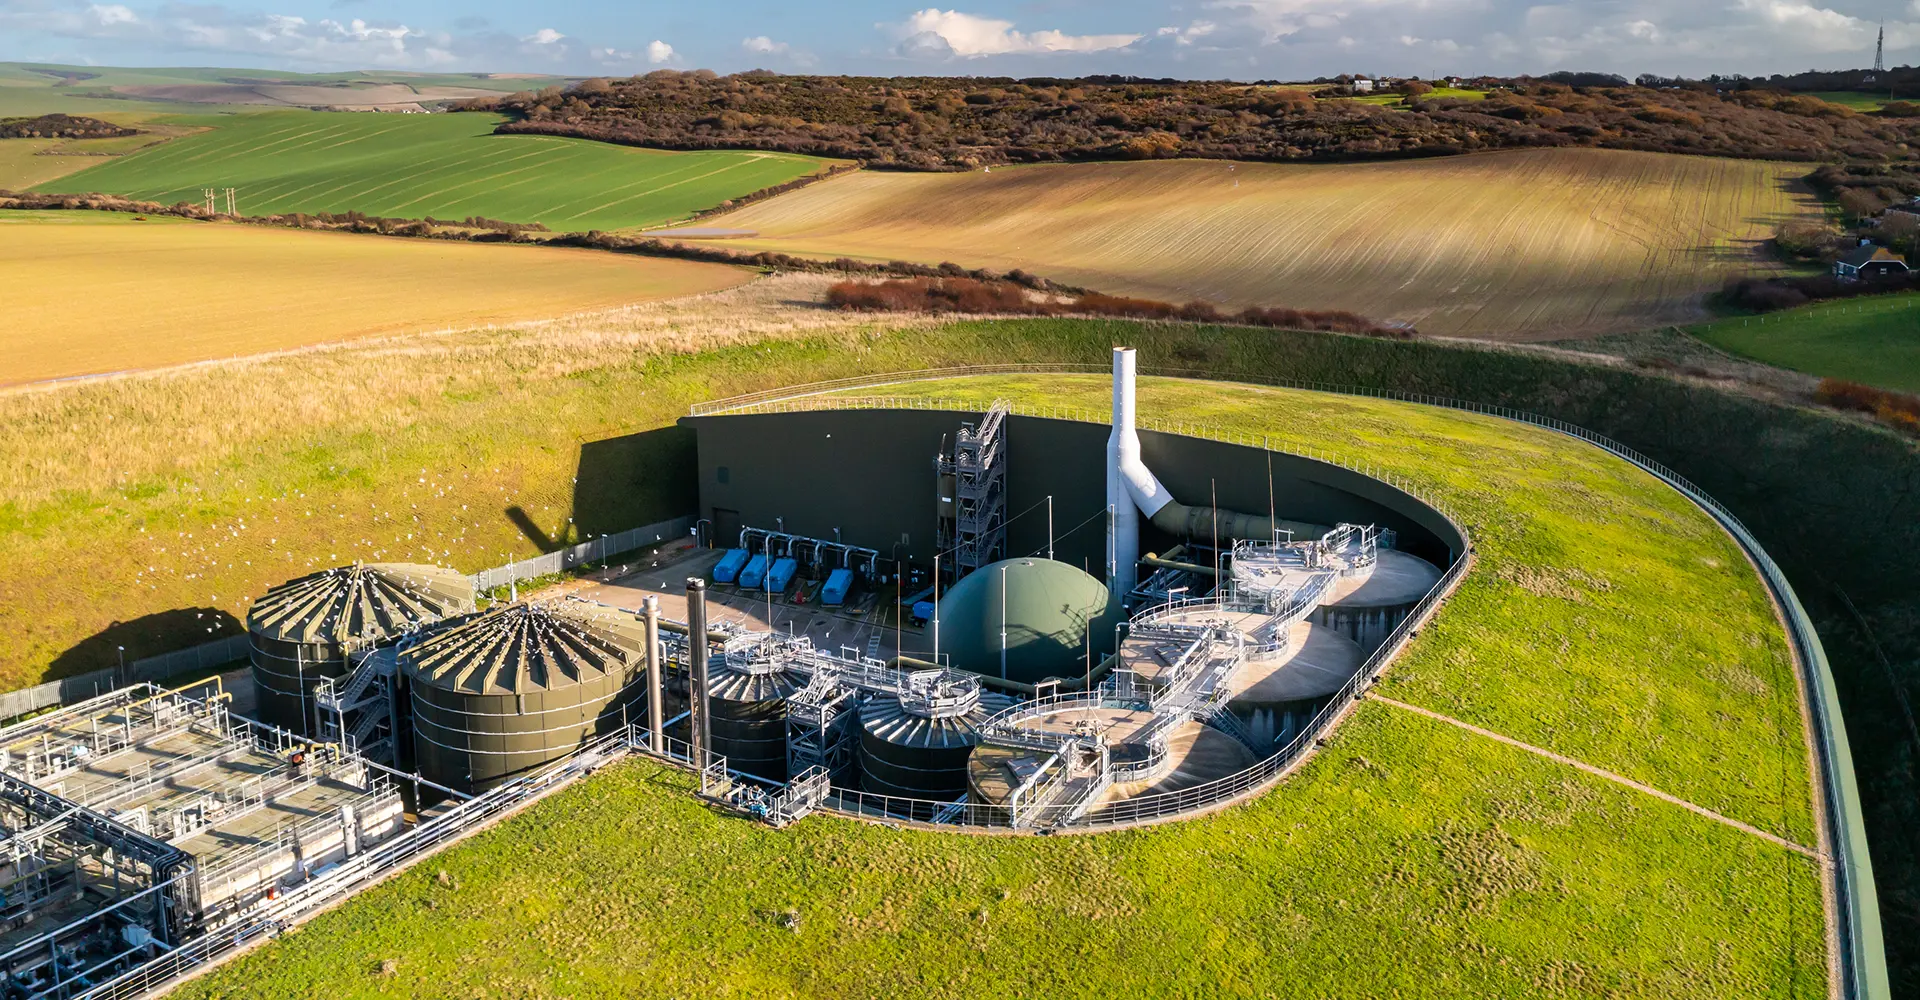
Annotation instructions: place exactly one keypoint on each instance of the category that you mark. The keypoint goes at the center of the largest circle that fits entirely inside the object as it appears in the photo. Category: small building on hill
(1869, 261)
(1362, 85)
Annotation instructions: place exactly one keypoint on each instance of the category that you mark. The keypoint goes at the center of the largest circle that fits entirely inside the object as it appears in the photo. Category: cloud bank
(1243, 39)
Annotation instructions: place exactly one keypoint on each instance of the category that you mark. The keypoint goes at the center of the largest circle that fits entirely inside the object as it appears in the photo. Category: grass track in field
(446, 166)
(1409, 858)
(1525, 245)
(97, 292)
(1875, 339)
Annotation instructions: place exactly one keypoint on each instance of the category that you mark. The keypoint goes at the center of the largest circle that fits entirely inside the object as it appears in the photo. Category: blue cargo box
(923, 611)
(754, 573)
(838, 583)
(728, 568)
(782, 574)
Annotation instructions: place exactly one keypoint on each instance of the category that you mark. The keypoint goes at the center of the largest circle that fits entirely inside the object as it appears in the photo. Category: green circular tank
(1052, 609)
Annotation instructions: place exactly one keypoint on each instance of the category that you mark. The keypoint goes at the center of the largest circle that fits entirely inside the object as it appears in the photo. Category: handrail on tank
(1864, 969)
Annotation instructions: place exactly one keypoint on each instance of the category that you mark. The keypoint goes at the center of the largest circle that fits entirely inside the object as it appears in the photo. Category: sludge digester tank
(520, 685)
(915, 744)
(303, 632)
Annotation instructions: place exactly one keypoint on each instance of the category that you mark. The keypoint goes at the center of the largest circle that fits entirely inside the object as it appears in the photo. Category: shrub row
(1898, 410)
(999, 297)
(1770, 294)
(509, 232)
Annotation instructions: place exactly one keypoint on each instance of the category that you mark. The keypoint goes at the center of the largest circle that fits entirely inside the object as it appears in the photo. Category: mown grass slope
(447, 166)
(1875, 340)
(1581, 628)
(92, 292)
(1410, 858)
(1529, 245)
(232, 477)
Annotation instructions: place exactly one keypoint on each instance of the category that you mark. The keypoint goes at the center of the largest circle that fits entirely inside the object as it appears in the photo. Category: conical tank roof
(360, 603)
(527, 647)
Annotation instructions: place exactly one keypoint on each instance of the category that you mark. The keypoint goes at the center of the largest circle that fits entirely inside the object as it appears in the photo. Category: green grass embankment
(1408, 859)
(337, 431)
(1874, 340)
(448, 166)
(1606, 617)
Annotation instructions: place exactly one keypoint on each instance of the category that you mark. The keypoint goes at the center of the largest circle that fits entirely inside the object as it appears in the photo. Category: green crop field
(1606, 619)
(1875, 340)
(1852, 99)
(447, 166)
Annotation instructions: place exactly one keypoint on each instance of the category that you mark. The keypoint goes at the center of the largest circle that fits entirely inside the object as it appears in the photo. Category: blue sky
(1240, 39)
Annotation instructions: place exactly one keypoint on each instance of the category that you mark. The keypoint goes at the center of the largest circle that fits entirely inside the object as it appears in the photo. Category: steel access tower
(973, 493)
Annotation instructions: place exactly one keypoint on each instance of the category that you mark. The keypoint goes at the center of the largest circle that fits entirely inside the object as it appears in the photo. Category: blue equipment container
(834, 592)
(922, 612)
(755, 572)
(781, 574)
(728, 568)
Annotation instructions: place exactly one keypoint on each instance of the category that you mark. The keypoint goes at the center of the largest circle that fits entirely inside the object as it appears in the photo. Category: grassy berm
(1606, 619)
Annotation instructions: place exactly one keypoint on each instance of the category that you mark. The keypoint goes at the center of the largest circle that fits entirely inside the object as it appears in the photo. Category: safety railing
(1857, 906)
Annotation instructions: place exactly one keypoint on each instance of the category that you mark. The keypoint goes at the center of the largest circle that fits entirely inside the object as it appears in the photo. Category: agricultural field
(39, 88)
(1852, 99)
(448, 166)
(1531, 245)
(1874, 340)
(1492, 871)
(93, 292)
(27, 162)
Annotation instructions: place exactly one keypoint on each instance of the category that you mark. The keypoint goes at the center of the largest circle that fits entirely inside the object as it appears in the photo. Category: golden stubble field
(1529, 245)
(88, 293)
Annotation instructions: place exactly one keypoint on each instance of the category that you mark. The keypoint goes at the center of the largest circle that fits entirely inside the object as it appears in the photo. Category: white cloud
(762, 45)
(545, 36)
(936, 32)
(658, 52)
(111, 14)
(1197, 30)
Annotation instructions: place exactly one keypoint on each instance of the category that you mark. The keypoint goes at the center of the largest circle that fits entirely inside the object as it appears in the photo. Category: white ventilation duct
(1133, 489)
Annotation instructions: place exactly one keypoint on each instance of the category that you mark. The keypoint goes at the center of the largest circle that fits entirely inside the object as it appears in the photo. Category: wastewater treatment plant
(1035, 624)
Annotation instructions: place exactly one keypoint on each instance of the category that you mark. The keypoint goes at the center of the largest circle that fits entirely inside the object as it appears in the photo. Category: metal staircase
(974, 526)
(360, 709)
(820, 720)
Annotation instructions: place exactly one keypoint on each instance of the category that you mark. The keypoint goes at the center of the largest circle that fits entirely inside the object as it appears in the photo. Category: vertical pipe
(1123, 528)
(697, 650)
(656, 740)
(1003, 621)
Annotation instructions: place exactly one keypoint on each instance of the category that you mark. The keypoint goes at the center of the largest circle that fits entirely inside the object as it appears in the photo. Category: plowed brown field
(93, 292)
(1528, 245)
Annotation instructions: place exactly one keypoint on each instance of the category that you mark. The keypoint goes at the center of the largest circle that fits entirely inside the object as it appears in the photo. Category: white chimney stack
(1123, 520)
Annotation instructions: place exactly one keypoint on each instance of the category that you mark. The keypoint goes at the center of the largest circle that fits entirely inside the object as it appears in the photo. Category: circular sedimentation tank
(1195, 753)
(305, 631)
(915, 745)
(1367, 609)
(747, 698)
(1052, 610)
(1275, 696)
(519, 685)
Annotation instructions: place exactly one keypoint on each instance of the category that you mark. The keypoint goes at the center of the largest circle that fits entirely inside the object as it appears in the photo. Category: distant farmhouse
(1869, 261)
(1362, 85)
